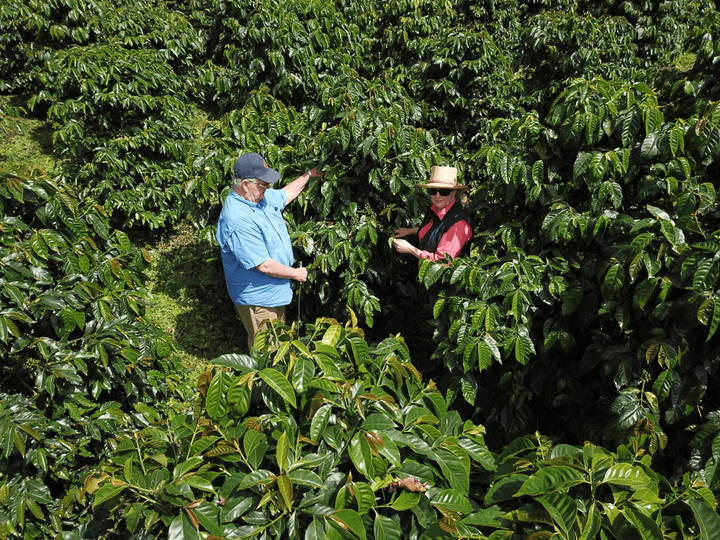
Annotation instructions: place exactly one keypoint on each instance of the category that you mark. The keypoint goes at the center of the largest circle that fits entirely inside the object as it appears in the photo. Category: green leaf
(538, 172)
(283, 448)
(452, 500)
(669, 231)
(707, 518)
(406, 500)
(280, 384)
(715, 320)
(551, 479)
(182, 528)
(319, 421)
(523, 349)
(615, 278)
(39, 246)
(255, 447)
(645, 291)
(286, 490)
(365, 497)
(645, 525)
(663, 384)
(453, 471)
(238, 361)
(315, 531)
(200, 483)
(562, 508)
(361, 455)
(571, 298)
(624, 474)
(255, 478)
(592, 524)
(350, 521)
(377, 422)
(107, 492)
(302, 477)
(386, 528)
(303, 372)
(215, 400)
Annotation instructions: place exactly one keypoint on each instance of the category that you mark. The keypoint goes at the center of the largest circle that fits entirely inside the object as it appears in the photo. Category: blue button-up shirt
(250, 234)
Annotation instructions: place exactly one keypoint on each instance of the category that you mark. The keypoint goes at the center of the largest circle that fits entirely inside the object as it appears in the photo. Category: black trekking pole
(299, 295)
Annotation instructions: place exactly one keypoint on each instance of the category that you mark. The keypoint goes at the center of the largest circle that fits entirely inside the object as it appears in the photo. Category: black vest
(439, 226)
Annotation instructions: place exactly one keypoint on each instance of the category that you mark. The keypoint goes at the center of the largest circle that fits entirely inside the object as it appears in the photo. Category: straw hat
(443, 178)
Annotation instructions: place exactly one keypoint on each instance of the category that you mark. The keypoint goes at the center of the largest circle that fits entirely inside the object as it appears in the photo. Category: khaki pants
(253, 317)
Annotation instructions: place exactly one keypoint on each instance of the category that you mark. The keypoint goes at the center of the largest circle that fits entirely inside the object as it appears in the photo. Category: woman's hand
(403, 231)
(403, 246)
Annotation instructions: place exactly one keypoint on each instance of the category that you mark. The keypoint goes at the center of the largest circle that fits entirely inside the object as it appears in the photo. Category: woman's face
(441, 201)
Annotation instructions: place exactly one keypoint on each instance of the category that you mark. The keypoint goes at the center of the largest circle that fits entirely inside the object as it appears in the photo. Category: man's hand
(294, 188)
(314, 172)
(301, 274)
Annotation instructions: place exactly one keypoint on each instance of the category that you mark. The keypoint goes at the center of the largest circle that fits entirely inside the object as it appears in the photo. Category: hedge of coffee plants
(573, 352)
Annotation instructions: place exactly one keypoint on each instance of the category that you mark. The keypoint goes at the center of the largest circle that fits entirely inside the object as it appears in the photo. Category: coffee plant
(325, 436)
(586, 311)
(79, 361)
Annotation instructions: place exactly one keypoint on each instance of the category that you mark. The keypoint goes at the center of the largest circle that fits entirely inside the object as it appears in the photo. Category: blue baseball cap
(253, 166)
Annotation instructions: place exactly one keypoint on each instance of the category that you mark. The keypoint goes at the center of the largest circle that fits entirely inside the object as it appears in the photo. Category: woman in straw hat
(447, 226)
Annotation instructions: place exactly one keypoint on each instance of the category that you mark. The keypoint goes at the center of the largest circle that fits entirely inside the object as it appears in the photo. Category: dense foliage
(587, 310)
(325, 437)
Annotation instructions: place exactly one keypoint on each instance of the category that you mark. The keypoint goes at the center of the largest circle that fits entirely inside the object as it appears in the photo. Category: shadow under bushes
(197, 310)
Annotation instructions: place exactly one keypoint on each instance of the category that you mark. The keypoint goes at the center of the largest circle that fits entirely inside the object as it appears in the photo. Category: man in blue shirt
(254, 242)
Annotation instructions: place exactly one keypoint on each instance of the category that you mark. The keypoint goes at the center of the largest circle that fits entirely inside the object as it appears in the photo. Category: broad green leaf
(215, 400)
(386, 528)
(453, 471)
(645, 290)
(315, 531)
(479, 453)
(319, 422)
(332, 335)
(365, 497)
(107, 492)
(551, 479)
(715, 320)
(624, 474)
(182, 528)
(286, 490)
(280, 384)
(707, 518)
(303, 477)
(706, 310)
(282, 451)
(663, 384)
(406, 500)
(452, 500)
(200, 483)
(255, 447)
(255, 478)
(669, 231)
(350, 521)
(645, 525)
(571, 298)
(523, 349)
(361, 455)
(562, 508)
(237, 361)
(377, 422)
(615, 278)
(303, 373)
(592, 524)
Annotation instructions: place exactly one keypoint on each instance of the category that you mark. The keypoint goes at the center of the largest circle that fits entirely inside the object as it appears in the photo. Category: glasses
(443, 192)
(257, 183)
